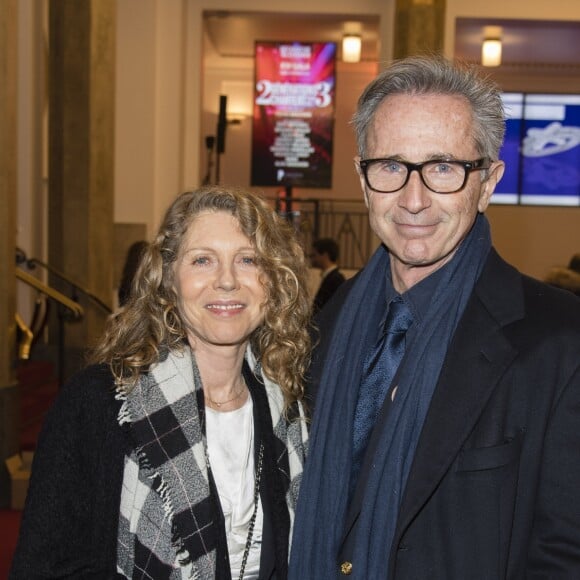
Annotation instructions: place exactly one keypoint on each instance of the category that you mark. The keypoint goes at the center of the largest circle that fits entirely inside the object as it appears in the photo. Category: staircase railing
(345, 220)
(68, 307)
(76, 310)
(75, 287)
(73, 310)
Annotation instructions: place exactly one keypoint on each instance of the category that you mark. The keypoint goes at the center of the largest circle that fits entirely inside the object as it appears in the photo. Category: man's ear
(361, 178)
(495, 173)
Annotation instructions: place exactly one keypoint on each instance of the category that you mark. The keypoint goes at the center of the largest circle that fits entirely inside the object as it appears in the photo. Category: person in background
(179, 453)
(324, 256)
(574, 263)
(567, 278)
(444, 442)
(132, 261)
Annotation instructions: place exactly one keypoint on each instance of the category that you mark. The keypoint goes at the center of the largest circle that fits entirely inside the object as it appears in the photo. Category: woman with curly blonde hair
(179, 453)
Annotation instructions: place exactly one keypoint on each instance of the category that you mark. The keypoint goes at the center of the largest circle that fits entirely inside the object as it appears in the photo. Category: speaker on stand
(221, 134)
(209, 145)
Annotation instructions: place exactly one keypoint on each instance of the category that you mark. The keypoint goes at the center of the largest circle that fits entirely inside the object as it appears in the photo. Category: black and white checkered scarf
(168, 525)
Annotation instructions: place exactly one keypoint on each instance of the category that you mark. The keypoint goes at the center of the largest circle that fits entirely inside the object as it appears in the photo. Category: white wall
(517, 9)
(171, 72)
(31, 231)
(150, 109)
(135, 112)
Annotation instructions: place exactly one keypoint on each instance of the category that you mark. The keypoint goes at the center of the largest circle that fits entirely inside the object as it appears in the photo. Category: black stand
(288, 190)
(221, 134)
(209, 144)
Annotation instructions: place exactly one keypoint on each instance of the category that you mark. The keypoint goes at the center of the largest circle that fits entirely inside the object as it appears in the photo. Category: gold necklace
(220, 403)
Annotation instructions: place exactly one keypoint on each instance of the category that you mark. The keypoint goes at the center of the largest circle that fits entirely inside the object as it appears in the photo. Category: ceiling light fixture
(492, 46)
(351, 47)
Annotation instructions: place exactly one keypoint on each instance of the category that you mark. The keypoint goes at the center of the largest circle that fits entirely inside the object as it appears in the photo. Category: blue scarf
(322, 503)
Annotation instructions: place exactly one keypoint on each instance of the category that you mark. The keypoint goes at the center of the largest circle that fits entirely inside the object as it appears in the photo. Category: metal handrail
(71, 306)
(33, 262)
(76, 309)
(345, 220)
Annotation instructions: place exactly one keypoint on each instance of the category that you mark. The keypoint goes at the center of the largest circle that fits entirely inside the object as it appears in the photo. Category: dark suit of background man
(472, 470)
(324, 256)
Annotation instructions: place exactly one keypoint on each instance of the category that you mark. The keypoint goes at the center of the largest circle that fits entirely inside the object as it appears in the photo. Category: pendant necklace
(218, 404)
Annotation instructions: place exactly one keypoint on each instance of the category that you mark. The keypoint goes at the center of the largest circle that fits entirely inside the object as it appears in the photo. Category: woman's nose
(226, 277)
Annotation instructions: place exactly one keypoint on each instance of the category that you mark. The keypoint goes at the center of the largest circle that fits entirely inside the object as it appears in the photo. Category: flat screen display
(293, 119)
(541, 150)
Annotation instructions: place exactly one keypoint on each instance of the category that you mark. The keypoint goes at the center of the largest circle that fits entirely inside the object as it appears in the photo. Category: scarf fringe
(161, 487)
(124, 415)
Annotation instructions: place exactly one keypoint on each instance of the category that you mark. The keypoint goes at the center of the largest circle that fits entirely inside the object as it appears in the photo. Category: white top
(230, 443)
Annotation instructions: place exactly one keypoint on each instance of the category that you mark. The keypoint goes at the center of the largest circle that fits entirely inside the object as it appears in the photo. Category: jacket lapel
(477, 358)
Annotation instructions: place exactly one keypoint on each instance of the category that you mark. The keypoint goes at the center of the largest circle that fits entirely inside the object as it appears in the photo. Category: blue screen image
(541, 150)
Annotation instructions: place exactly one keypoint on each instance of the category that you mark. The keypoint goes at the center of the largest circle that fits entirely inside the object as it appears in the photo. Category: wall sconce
(351, 48)
(235, 119)
(491, 52)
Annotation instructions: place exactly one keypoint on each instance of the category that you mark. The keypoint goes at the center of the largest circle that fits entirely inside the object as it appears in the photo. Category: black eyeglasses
(439, 175)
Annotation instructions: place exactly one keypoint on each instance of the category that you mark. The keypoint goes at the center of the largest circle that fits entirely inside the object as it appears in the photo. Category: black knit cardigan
(70, 521)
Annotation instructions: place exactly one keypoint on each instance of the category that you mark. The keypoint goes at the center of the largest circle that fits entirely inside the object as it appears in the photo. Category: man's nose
(415, 196)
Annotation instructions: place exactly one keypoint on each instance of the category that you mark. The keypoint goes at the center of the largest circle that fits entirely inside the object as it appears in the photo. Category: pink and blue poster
(293, 121)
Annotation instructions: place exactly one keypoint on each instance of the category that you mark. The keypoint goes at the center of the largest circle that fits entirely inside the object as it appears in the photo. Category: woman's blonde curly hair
(151, 322)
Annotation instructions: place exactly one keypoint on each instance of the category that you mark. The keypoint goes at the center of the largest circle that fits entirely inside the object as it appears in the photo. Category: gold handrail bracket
(26, 340)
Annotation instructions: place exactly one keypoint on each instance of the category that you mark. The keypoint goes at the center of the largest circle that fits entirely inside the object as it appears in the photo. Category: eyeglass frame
(476, 165)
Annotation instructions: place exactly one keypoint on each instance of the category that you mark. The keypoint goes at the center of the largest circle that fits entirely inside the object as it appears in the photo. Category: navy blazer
(494, 488)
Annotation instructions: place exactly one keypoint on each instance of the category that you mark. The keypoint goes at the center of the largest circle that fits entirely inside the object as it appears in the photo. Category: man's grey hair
(424, 75)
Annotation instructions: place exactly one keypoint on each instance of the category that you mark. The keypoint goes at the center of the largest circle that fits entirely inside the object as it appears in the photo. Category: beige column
(81, 155)
(419, 27)
(9, 407)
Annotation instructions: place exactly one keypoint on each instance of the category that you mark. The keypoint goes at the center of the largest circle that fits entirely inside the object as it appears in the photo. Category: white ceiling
(524, 42)
(234, 34)
(534, 43)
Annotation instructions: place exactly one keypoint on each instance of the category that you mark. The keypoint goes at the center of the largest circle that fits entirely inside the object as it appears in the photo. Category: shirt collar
(417, 298)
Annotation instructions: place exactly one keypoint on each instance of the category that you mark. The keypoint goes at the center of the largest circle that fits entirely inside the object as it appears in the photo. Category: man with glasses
(445, 439)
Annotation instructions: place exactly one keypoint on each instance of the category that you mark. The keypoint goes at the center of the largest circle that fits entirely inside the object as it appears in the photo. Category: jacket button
(346, 568)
